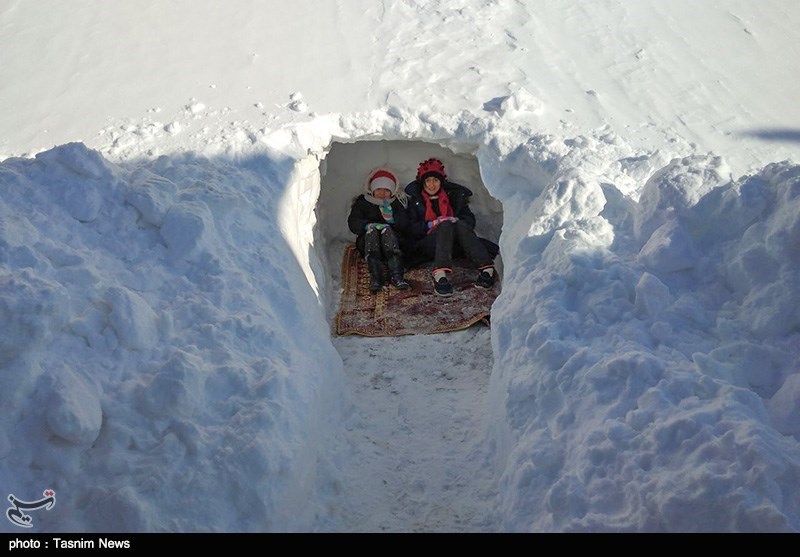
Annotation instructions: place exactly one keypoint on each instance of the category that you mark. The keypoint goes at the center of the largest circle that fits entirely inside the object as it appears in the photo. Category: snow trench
(642, 352)
(627, 313)
(412, 456)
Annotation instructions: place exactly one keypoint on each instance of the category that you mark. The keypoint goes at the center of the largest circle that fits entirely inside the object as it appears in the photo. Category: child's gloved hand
(376, 226)
(439, 220)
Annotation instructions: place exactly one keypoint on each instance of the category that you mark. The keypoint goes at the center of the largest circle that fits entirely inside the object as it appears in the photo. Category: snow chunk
(173, 128)
(185, 228)
(151, 195)
(73, 411)
(745, 364)
(652, 296)
(132, 318)
(675, 189)
(521, 103)
(751, 268)
(669, 249)
(195, 107)
(31, 309)
(784, 407)
(297, 103)
(79, 178)
(177, 388)
(76, 159)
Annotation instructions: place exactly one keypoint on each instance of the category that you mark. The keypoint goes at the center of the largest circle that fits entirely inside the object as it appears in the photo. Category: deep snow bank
(152, 374)
(646, 352)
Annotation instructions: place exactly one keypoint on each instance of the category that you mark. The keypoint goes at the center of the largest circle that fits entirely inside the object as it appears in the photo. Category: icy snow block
(79, 177)
(74, 412)
(177, 388)
(30, 309)
(675, 189)
(750, 268)
(133, 320)
(784, 407)
(185, 228)
(669, 249)
(151, 195)
(652, 296)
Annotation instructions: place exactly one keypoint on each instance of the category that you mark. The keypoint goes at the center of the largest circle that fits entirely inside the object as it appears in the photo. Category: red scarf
(445, 210)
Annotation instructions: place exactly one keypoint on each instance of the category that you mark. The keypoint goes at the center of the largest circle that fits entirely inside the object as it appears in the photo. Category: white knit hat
(382, 179)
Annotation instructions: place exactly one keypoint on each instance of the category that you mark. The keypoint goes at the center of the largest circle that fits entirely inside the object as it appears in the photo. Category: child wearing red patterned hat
(443, 226)
(379, 219)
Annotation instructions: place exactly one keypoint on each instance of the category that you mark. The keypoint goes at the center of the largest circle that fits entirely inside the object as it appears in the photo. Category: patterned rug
(393, 312)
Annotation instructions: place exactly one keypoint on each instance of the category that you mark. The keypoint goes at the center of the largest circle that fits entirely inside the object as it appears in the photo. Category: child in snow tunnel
(379, 218)
(443, 227)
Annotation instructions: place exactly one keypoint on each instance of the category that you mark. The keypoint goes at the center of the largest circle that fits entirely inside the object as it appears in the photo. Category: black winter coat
(459, 200)
(363, 213)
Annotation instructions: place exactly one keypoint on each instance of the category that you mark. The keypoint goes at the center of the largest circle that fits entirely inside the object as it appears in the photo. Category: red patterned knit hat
(431, 167)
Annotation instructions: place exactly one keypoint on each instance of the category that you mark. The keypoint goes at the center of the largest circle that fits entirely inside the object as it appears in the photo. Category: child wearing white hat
(379, 219)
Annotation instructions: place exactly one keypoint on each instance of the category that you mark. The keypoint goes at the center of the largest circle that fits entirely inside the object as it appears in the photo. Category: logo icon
(17, 515)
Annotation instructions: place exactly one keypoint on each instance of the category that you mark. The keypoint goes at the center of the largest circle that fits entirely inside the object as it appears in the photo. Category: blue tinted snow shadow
(774, 134)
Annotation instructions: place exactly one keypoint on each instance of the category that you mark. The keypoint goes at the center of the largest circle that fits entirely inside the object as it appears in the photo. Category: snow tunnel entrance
(343, 172)
(415, 399)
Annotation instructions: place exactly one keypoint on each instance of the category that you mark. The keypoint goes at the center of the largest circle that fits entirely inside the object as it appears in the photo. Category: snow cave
(343, 170)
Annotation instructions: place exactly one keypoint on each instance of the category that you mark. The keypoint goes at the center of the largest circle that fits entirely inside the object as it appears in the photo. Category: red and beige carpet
(393, 312)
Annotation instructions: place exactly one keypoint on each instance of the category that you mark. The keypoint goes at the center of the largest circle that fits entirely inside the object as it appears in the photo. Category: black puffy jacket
(363, 213)
(459, 200)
